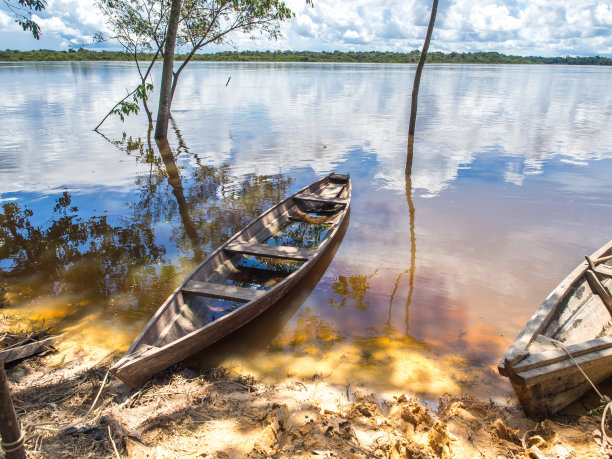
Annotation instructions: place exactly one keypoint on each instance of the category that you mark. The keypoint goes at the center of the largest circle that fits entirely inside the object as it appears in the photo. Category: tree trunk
(419, 70)
(12, 441)
(163, 112)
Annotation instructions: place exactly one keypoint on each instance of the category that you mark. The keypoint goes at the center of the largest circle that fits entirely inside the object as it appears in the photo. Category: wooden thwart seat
(272, 251)
(332, 190)
(592, 276)
(316, 198)
(603, 271)
(225, 292)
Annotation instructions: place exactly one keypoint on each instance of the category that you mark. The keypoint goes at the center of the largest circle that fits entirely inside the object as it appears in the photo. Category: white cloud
(6, 23)
(56, 26)
(536, 28)
(603, 15)
(62, 22)
(581, 27)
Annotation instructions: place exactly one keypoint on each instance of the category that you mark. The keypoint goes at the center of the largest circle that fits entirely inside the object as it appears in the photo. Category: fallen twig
(110, 437)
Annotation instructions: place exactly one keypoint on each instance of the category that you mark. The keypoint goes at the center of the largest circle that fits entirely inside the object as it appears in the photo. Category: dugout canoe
(241, 279)
(575, 319)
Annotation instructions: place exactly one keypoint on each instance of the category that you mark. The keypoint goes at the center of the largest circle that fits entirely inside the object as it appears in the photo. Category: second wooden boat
(566, 340)
(241, 279)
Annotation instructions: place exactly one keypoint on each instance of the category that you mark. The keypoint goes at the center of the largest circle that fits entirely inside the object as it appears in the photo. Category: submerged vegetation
(308, 56)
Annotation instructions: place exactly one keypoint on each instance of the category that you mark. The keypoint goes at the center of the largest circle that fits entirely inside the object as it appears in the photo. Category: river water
(438, 270)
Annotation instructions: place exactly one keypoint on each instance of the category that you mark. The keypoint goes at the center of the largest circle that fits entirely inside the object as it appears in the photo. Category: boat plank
(316, 198)
(21, 352)
(272, 251)
(332, 190)
(226, 292)
(588, 322)
(558, 355)
(604, 271)
(517, 350)
(589, 362)
(602, 259)
(183, 323)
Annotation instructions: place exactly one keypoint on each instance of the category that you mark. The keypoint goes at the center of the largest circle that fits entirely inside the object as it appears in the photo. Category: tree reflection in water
(411, 211)
(352, 291)
(312, 335)
(210, 203)
(71, 256)
(384, 358)
(123, 265)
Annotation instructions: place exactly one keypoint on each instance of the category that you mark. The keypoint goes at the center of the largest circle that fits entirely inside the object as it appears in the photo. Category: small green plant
(128, 107)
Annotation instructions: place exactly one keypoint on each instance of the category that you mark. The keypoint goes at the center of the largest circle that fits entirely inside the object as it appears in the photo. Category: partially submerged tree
(212, 21)
(165, 93)
(419, 70)
(140, 26)
(21, 10)
(201, 23)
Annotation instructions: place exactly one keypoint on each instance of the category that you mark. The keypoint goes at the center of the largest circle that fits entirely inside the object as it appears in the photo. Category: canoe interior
(581, 315)
(290, 234)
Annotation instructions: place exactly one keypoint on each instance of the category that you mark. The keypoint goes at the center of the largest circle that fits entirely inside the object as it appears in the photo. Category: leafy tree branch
(21, 10)
(142, 25)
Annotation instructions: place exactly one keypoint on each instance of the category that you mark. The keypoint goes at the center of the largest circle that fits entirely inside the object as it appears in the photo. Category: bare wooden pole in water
(419, 70)
(10, 430)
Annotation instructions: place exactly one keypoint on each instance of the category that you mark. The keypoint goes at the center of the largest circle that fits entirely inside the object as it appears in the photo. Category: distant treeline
(309, 56)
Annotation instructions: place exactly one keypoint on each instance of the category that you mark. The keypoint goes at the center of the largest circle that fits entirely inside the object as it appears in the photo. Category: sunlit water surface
(437, 272)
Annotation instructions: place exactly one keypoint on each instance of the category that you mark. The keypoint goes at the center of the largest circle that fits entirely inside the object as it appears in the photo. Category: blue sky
(537, 27)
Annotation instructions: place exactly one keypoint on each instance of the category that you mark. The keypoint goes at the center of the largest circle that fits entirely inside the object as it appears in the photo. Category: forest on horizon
(308, 56)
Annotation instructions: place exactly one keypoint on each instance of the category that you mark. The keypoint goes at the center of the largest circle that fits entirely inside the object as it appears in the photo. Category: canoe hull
(136, 371)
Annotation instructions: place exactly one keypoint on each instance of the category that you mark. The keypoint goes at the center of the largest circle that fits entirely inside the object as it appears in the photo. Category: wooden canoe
(241, 279)
(575, 319)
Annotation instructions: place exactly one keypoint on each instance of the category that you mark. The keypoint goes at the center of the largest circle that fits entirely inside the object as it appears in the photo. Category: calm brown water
(436, 273)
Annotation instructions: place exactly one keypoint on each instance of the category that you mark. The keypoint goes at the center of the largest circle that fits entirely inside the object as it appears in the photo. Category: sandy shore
(221, 414)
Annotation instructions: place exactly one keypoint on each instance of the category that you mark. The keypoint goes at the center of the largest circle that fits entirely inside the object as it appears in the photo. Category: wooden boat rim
(539, 374)
(247, 305)
(518, 350)
(555, 355)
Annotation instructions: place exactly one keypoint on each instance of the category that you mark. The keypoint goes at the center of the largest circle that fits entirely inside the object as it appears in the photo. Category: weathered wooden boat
(574, 320)
(241, 279)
